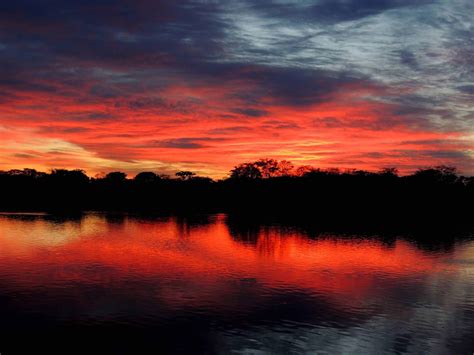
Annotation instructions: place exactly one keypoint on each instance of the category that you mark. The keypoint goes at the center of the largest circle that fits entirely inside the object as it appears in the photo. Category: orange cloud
(210, 129)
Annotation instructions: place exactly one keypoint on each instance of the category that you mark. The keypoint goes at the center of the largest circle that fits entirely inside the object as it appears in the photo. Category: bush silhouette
(433, 195)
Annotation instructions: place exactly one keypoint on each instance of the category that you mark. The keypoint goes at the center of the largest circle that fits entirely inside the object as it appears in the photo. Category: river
(113, 283)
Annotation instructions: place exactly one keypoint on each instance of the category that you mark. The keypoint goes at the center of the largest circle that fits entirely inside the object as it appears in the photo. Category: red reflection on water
(95, 251)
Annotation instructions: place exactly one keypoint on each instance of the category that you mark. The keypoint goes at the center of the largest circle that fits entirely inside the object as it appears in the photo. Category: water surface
(208, 284)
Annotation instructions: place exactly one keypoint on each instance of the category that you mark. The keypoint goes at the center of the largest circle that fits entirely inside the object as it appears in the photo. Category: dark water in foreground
(118, 284)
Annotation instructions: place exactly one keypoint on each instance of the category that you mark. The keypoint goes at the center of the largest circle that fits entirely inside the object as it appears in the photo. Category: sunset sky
(200, 85)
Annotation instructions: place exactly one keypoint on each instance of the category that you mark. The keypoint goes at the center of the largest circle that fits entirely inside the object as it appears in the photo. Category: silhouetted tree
(146, 177)
(359, 172)
(263, 168)
(15, 172)
(285, 168)
(116, 176)
(201, 179)
(305, 169)
(469, 183)
(268, 167)
(437, 174)
(69, 176)
(185, 175)
(333, 171)
(246, 171)
(393, 172)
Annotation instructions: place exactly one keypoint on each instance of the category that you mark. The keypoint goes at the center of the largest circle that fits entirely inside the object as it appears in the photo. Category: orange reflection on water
(207, 258)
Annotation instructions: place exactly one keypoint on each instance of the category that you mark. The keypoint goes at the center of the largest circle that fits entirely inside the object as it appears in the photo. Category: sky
(156, 85)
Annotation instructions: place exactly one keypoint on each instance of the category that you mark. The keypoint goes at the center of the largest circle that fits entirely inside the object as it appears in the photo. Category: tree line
(264, 186)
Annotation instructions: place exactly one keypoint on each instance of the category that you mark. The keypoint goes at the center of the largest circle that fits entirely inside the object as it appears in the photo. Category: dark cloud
(23, 156)
(328, 122)
(430, 142)
(251, 112)
(294, 86)
(127, 47)
(451, 156)
(229, 130)
(290, 86)
(467, 89)
(408, 58)
(55, 45)
(179, 143)
(94, 116)
(158, 104)
(183, 143)
(277, 124)
(64, 130)
(329, 11)
(373, 124)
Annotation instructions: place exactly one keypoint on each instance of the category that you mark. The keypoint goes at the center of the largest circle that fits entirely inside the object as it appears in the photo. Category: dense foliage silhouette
(434, 196)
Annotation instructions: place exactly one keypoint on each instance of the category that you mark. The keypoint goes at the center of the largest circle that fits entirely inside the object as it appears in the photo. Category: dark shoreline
(435, 199)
